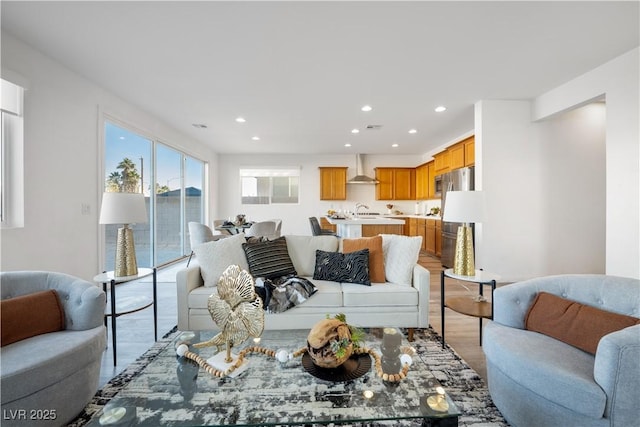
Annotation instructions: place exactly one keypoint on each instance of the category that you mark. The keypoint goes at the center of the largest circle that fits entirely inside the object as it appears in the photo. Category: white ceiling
(300, 71)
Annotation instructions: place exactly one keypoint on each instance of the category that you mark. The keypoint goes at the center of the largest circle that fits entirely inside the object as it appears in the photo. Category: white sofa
(403, 305)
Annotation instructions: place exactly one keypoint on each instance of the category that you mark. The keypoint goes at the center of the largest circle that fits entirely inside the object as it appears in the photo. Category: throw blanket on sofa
(281, 294)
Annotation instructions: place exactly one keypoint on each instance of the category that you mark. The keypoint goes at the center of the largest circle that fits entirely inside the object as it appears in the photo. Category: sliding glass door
(132, 163)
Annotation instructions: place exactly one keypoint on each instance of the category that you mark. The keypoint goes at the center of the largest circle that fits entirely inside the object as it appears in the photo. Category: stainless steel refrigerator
(458, 180)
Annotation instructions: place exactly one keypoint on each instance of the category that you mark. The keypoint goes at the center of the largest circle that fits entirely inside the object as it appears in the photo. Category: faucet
(360, 205)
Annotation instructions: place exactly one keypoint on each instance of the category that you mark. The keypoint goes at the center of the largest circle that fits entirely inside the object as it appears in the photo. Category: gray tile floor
(134, 332)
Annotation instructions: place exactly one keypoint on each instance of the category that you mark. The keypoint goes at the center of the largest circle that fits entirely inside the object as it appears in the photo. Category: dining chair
(262, 229)
(316, 230)
(278, 231)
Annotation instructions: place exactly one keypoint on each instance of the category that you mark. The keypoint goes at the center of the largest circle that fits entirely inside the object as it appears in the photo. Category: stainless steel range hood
(360, 177)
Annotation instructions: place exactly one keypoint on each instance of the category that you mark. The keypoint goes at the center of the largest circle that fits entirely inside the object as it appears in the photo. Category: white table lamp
(125, 209)
(465, 207)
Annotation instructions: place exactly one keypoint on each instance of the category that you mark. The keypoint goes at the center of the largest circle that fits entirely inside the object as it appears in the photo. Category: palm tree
(130, 175)
(114, 182)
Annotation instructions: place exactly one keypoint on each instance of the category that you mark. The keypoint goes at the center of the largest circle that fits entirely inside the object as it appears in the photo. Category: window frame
(270, 172)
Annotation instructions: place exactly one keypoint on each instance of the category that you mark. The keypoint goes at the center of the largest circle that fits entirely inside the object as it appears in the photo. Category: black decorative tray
(354, 367)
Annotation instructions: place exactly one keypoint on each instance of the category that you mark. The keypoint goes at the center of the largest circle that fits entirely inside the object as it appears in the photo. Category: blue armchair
(47, 379)
(536, 380)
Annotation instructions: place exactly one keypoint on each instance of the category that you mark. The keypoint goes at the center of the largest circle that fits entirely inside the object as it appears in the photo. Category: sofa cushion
(351, 267)
(269, 259)
(547, 367)
(576, 324)
(36, 363)
(400, 255)
(214, 257)
(376, 257)
(30, 315)
(302, 250)
(329, 294)
(379, 295)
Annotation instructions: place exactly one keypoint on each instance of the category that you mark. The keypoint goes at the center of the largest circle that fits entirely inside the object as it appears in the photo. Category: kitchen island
(366, 226)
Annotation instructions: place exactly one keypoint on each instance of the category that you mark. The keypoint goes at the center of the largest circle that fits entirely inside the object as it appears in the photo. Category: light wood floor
(461, 332)
(135, 331)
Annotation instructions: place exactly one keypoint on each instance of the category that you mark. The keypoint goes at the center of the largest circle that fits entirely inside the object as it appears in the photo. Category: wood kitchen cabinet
(333, 183)
(430, 237)
(431, 173)
(438, 238)
(396, 183)
(441, 162)
(422, 182)
(456, 156)
(469, 151)
(422, 231)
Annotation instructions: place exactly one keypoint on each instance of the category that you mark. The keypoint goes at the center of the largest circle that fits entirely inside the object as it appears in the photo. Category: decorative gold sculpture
(236, 309)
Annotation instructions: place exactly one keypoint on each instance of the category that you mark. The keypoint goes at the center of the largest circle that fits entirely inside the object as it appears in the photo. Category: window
(269, 186)
(132, 163)
(11, 156)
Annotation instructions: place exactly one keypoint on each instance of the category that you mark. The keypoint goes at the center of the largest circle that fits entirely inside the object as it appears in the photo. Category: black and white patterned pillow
(269, 259)
(352, 267)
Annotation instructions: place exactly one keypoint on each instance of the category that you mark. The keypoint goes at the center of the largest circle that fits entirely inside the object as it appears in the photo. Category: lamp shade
(464, 206)
(123, 208)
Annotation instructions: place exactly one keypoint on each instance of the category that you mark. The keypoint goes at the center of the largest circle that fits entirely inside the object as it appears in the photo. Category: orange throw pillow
(376, 257)
(576, 324)
(30, 315)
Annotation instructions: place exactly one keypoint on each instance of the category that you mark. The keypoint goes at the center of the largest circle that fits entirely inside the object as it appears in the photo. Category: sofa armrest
(511, 303)
(616, 371)
(187, 280)
(85, 306)
(422, 281)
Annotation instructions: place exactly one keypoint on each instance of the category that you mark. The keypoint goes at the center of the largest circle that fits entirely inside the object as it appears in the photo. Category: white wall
(537, 211)
(619, 81)
(296, 217)
(509, 241)
(62, 158)
(574, 200)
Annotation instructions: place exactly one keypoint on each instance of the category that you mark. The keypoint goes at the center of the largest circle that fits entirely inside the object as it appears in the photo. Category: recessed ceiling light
(366, 108)
(122, 137)
(199, 125)
(347, 145)
(355, 131)
(394, 145)
(440, 108)
(412, 131)
(240, 119)
(255, 138)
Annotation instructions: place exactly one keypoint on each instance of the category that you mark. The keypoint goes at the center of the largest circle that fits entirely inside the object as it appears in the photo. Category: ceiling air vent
(373, 127)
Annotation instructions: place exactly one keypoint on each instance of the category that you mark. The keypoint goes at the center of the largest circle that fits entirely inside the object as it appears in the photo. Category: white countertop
(366, 220)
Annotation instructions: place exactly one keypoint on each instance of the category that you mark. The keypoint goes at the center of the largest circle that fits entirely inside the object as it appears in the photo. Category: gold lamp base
(126, 264)
(463, 263)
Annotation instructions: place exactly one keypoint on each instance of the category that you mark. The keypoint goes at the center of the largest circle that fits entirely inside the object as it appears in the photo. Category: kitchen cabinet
(430, 237)
(456, 156)
(422, 231)
(441, 162)
(438, 238)
(422, 182)
(396, 183)
(469, 151)
(333, 183)
(431, 177)
(413, 226)
(374, 230)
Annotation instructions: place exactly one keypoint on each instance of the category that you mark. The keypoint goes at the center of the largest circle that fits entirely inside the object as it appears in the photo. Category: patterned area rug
(463, 384)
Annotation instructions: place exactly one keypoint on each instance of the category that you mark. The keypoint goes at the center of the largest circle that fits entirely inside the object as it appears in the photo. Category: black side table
(479, 307)
(127, 305)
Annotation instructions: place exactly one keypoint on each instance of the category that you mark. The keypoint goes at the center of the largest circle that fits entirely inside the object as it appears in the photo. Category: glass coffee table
(175, 391)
